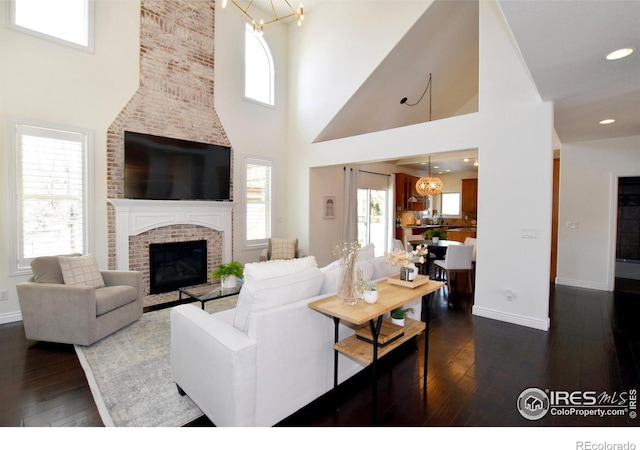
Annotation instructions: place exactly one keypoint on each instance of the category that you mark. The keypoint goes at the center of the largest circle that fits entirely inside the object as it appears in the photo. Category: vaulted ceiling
(442, 43)
(563, 44)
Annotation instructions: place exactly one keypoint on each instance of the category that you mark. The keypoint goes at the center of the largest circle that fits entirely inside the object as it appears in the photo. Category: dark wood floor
(477, 369)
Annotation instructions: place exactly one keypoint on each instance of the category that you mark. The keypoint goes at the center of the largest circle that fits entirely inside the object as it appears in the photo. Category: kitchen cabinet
(405, 188)
(470, 195)
(460, 234)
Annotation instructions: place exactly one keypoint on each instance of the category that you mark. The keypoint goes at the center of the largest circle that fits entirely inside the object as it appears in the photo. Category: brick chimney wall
(175, 96)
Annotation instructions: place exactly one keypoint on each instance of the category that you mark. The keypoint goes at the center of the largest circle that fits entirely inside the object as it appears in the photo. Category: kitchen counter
(448, 227)
(458, 232)
(421, 226)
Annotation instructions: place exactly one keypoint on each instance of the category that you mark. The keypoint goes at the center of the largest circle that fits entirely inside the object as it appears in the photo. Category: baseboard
(582, 284)
(531, 322)
(10, 317)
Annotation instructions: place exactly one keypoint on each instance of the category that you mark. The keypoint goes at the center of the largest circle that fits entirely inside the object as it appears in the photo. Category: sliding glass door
(373, 218)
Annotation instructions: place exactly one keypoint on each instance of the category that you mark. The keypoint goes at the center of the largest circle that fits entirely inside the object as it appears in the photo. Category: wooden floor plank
(477, 368)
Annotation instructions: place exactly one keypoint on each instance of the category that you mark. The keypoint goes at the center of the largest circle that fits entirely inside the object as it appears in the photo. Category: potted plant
(435, 235)
(370, 292)
(399, 314)
(228, 273)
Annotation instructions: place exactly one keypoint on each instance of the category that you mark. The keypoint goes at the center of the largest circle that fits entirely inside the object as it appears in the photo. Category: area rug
(129, 373)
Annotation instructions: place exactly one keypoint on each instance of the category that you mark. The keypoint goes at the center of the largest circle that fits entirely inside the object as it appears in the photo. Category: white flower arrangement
(405, 258)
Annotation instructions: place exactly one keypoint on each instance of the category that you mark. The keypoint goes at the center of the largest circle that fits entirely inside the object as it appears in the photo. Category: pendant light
(429, 185)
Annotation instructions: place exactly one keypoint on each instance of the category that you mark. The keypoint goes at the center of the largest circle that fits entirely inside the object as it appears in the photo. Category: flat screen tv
(161, 168)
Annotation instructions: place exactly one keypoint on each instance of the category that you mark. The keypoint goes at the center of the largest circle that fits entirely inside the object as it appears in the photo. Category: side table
(390, 297)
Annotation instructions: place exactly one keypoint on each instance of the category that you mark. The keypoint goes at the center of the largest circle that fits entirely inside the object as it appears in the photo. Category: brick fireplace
(174, 99)
(140, 223)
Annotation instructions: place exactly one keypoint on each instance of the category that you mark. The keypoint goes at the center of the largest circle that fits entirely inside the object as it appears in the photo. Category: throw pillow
(282, 248)
(270, 269)
(81, 270)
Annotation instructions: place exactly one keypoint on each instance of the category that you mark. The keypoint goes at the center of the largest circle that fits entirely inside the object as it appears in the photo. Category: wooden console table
(390, 297)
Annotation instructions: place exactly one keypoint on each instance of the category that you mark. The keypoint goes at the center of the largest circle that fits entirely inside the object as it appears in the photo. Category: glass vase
(348, 289)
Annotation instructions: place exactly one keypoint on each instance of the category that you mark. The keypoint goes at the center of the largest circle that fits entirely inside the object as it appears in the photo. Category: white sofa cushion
(269, 269)
(382, 269)
(332, 275)
(261, 295)
(367, 252)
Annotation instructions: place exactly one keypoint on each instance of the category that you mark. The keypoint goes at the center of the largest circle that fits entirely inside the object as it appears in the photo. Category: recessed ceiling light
(436, 167)
(620, 53)
(607, 121)
(466, 160)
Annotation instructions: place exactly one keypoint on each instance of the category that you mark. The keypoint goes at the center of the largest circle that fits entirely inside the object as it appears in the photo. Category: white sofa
(270, 356)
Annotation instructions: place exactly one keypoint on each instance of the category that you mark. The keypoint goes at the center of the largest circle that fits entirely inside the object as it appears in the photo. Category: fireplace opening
(177, 264)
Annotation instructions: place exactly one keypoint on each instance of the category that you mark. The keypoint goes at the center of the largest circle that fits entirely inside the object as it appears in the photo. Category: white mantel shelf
(137, 216)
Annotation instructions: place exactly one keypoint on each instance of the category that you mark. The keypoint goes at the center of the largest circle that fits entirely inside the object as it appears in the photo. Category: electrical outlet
(4, 296)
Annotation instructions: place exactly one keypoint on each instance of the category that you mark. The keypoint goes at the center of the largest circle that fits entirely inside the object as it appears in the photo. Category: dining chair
(472, 241)
(457, 259)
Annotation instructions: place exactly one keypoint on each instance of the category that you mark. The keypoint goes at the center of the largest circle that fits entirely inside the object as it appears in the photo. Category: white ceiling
(563, 44)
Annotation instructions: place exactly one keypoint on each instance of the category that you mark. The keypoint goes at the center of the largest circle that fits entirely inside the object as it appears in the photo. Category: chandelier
(429, 185)
(258, 25)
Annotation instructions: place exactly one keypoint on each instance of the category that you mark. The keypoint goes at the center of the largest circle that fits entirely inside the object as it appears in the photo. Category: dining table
(437, 249)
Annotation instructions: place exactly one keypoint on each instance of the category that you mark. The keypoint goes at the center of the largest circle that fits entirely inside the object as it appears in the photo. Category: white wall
(254, 130)
(56, 84)
(329, 181)
(588, 197)
(323, 76)
(512, 125)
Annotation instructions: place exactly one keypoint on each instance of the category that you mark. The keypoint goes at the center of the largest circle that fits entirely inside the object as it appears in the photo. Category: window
(451, 204)
(373, 210)
(69, 22)
(258, 68)
(51, 192)
(258, 197)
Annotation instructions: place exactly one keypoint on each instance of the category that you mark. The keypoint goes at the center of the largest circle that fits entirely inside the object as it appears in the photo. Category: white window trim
(15, 194)
(89, 20)
(246, 26)
(261, 243)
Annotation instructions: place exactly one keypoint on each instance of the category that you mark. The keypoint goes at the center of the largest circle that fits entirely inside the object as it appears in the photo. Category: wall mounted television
(162, 168)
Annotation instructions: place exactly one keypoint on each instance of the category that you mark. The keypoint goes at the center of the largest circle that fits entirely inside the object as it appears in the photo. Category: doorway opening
(627, 271)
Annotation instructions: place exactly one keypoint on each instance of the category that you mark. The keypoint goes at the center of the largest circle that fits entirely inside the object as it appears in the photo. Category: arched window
(258, 68)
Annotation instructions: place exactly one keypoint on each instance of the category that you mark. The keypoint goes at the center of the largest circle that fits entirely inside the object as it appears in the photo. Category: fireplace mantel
(137, 216)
